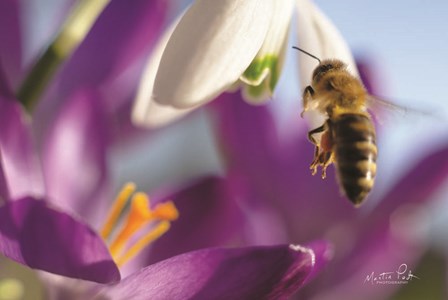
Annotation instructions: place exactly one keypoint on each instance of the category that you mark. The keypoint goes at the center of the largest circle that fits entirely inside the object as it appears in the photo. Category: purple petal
(386, 239)
(209, 217)
(267, 272)
(277, 169)
(369, 75)
(108, 61)
(42, 237)
(123, 32)
(18, 156)
(248, 133)
(378, 250)
(419, 184)
(324, 252)
(10, 40)
(4, 194)
(74, 154)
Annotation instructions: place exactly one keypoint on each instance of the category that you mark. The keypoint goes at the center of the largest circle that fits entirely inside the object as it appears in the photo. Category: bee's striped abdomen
(355, 153)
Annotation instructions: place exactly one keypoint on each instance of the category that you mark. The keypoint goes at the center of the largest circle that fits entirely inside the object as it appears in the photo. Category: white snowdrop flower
(217, 45)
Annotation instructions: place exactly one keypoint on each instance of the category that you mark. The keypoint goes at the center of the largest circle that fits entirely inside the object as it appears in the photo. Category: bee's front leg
(307, 97)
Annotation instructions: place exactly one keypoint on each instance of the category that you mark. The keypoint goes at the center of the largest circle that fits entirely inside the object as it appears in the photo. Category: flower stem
(72, 33)
(38, 78)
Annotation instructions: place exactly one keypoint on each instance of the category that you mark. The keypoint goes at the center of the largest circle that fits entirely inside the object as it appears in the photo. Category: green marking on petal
(256, 91)
(261, 69)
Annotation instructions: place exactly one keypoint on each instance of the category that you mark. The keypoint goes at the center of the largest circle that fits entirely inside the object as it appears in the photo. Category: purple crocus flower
(38, 235)
(46, 236)
(91, 89)
(106, 62)
(41, 224)
(274, 169)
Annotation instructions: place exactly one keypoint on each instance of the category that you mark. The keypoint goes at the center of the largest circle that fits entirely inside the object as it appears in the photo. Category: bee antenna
(307, 53)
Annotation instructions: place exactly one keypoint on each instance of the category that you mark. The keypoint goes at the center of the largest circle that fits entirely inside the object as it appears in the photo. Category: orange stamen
(166, 211)
(150, 237)
(116, 209)
(138, 216)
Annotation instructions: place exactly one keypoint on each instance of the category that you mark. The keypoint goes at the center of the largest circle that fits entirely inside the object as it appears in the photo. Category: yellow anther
(117, 208)
(140, 206)
(166, 211)
(150, 237)
(138, 216)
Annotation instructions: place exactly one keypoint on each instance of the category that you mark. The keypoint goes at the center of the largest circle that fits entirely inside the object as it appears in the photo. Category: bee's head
(326, 66)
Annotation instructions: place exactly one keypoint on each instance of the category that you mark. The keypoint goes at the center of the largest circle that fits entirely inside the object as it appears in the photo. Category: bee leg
(323, 159)
(315, 131)
(307, 96)
(326, 143)
(317, 153)
(314, 164)
(323, 154)
(326, 160)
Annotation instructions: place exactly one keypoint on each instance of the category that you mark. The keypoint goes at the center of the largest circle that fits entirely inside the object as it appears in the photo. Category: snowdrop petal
(153, 114)
(211, 47)
(263, 73)
(318, 35)
(146, 112)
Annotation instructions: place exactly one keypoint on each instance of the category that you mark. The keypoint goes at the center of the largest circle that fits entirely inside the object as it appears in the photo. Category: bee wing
(382, 108)
(378, 105)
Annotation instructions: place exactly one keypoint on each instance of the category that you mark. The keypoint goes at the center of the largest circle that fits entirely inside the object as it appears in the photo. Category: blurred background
(405, 46)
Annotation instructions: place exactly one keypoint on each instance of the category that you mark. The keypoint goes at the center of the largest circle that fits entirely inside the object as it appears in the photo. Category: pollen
(131, 237)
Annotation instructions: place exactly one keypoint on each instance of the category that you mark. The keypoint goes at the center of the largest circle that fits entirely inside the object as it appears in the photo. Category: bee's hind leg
(317, 153)
(326, 159)
(323, 159)
(323, 154)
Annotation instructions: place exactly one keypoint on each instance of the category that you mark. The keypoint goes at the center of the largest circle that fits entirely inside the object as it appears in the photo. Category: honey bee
(348, 134)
